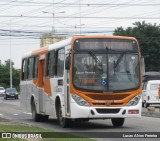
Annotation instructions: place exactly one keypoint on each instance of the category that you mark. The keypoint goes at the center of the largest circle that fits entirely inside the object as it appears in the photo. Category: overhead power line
(66, 17)
(82, 4)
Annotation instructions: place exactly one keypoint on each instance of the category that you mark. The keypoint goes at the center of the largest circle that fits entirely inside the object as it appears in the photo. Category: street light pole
(53, 14)
(78, 26)
(10, 59)
(80, 16)
(53, 26)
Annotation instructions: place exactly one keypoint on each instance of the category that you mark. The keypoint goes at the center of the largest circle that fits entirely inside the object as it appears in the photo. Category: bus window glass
(96, 68)
(89, 72)
(60, 62)
(127, 71)
(24, 69)
(51, 63)
(35, 72)
(30, 68)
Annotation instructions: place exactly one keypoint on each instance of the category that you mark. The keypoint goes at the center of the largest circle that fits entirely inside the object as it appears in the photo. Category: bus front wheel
(64, 122)
(117, 122)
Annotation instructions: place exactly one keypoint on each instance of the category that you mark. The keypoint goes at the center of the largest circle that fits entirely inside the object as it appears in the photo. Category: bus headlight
(79, 100)
(134, 101)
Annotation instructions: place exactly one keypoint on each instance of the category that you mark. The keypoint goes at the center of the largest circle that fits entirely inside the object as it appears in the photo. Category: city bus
(83, 78)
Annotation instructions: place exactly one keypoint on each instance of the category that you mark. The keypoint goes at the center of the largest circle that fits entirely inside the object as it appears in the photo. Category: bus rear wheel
(64, 122)
(117, 122)
(35, 116)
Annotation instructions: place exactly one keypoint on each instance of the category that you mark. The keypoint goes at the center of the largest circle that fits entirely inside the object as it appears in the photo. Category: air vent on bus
(107, 111)
(106, 104)
(107, 96)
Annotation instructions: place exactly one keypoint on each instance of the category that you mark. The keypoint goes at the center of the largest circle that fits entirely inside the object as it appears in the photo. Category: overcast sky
(27, 20)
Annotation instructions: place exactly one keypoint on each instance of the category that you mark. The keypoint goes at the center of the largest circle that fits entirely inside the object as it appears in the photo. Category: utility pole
(80, 16)
(10, 58)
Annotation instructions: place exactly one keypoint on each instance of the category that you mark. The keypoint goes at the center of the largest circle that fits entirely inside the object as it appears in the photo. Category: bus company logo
(6, 135)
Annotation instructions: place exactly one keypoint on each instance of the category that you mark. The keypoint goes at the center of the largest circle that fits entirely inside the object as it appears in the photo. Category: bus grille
(107, 97)
(107, 111)
(106, 104)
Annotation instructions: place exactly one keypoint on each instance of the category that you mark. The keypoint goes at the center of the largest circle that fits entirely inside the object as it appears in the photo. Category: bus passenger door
(66, 85)
(41, 77)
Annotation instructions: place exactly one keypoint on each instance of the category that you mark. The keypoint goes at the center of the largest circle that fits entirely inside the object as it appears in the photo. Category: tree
(148, 36)
(5, 75)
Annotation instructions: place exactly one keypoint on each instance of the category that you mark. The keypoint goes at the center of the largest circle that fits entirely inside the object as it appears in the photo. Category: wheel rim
(60, 115)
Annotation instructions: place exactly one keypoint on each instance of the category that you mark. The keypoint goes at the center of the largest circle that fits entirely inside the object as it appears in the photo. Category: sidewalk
(151, 112)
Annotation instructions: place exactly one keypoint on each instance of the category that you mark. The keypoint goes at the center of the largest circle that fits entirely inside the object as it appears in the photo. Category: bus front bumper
(105, 112)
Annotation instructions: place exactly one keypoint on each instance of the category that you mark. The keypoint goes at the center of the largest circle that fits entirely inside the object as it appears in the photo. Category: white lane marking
(15, 114)
(1, 114)
(27, 113)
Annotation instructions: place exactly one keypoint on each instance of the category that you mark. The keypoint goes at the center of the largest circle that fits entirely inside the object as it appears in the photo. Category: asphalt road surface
(10, 109)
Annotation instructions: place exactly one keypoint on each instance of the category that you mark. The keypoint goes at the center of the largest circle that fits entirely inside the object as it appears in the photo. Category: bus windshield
(111, 69)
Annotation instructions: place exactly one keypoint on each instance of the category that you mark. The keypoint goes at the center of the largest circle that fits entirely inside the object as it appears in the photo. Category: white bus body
(51, 93)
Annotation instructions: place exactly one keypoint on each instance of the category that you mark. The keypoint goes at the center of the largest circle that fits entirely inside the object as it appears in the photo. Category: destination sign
(106, 44)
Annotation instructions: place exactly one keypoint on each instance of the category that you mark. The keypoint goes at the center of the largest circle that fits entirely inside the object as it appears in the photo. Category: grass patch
(21, 128)
(26, 128)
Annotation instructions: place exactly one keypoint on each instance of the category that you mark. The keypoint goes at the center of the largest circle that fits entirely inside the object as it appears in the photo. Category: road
(10, 109)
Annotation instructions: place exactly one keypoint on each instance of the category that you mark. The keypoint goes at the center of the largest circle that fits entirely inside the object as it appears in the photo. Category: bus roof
(68, 41)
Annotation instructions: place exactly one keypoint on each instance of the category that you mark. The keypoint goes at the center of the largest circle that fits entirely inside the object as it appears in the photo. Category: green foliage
(5, 75)
(148, 36)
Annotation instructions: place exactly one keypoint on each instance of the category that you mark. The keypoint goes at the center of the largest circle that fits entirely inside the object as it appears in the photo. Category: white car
(150, 93)
(2, 92)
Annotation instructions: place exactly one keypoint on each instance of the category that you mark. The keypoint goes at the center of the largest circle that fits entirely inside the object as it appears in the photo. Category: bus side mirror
(67, 63)
(142, 65)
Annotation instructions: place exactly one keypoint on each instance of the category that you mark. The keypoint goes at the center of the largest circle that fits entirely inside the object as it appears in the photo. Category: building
(48, 39)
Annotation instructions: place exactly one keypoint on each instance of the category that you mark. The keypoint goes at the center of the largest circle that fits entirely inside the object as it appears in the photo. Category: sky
(23, 22)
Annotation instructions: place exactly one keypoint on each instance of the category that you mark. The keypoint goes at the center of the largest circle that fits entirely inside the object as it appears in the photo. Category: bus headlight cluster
(79, 100)
(134, 101)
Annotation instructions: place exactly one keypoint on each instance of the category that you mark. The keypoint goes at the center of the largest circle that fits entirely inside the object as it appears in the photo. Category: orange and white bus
(83, 78)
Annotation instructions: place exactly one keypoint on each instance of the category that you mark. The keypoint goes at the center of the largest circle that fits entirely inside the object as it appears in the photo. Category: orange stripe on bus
(42, 50)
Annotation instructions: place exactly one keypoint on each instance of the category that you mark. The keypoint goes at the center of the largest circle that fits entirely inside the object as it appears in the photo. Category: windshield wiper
(119, 59)
(95, 58)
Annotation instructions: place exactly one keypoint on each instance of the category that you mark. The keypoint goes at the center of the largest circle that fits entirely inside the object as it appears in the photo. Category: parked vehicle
(11, 93)
(150, 93)
(2, 92)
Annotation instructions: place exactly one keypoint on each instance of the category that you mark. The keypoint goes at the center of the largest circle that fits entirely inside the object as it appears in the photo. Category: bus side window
(24, 69)
(47, 64)
(50, 70)
(30, 68)
(35, 67)
(60, 56)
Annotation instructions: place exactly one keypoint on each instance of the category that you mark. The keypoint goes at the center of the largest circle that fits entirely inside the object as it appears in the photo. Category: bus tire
(117, 122)
(45, 118)
(35, 116)
(63, 122)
